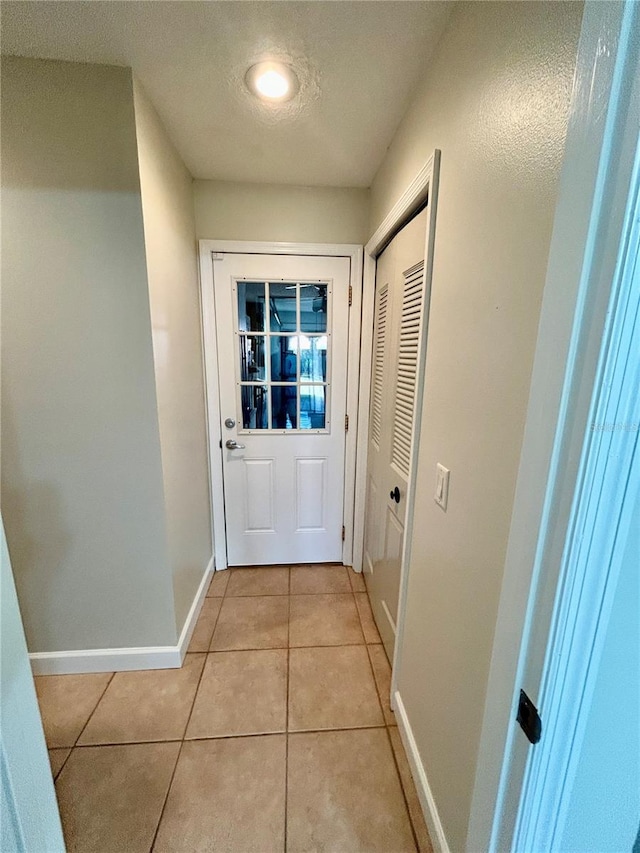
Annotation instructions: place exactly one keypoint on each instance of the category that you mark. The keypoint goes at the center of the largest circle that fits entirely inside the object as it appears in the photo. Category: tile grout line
(215, 625)
(95, 708)
(234, 736)
(386, 728)
(179, 753)
(182, 740)
(61, 768)
(280, 648)
(289, 594)
(75, 745)
(375, 684)
(195, 694)
(364, 634)
(404, 793)
(166, 796)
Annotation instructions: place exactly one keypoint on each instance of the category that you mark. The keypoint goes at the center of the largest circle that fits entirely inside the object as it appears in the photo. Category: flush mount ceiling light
(273, 82)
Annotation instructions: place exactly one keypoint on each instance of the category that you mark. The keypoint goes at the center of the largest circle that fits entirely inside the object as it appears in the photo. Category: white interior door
(282, 337)
(29, 818)
(398, 313)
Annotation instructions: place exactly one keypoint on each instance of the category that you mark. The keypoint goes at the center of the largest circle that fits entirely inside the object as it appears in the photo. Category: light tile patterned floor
(276, 734)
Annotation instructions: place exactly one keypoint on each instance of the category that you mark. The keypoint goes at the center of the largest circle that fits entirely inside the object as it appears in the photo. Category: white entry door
(282, 336)
(398, 315)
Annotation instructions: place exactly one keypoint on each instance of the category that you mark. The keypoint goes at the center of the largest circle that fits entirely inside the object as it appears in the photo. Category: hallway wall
(272, 212)
(82, 488)
(174, 296)
(495, 100)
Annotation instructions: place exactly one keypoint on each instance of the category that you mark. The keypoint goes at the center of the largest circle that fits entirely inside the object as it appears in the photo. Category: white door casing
(399, 309)
(284, 484)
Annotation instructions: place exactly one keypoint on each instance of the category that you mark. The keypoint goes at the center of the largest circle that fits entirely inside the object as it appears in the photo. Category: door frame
(207, 251)
(423, 189)
(600, 522)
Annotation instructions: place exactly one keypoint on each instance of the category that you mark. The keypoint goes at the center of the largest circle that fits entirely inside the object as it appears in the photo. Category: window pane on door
(284, 407)
(252, 361)
(255, 414)
(284, 358)
(313, 406)
(284, 343)
(313, 307)
(251, 306)
(313, 358)
(283, 307)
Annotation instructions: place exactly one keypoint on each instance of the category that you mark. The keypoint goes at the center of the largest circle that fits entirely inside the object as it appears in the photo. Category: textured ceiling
(357, 61)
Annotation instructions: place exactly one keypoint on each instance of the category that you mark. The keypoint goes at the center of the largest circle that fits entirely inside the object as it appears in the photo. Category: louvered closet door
(398, 316)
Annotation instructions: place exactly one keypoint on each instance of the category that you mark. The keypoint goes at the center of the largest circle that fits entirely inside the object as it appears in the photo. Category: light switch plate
(441, 496)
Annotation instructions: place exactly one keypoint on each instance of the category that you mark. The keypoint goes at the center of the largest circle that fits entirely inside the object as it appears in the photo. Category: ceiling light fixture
(272, 81)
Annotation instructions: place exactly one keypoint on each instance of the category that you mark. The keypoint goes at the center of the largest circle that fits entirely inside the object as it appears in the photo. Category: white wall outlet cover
(441, 496)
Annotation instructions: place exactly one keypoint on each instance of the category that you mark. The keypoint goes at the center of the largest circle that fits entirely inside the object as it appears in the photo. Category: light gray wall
(82, 488)
(494, 99)
(170, 243)
(235, 211)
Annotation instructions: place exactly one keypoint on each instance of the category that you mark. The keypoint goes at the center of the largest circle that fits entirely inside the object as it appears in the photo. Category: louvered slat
(380, 344)
(412, 299)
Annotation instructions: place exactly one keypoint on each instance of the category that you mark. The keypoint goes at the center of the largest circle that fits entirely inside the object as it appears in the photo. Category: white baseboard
(429, 809)
(122, 660)
(194, 611)
(387, 613)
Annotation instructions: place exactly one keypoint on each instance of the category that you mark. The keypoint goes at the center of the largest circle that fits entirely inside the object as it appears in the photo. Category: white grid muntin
(267, 334)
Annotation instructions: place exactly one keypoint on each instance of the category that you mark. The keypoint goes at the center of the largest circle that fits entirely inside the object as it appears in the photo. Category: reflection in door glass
(251, 306)
(284, 346)
(313, 358)
(254, 407)
(313, 307)
(284, 406)
(312, 406)
(284, 358)
(252, 363)
(282, 307)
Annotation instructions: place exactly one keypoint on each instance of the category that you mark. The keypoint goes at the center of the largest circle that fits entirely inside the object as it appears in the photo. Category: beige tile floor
(276, 734)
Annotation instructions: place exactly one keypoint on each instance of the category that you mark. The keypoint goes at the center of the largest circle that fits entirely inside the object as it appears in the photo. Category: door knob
(232, 444)
(394, 494)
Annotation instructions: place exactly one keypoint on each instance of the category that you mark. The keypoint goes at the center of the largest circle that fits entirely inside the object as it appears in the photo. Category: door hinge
(350, 295)
(344, 532)
(529, 718)
(346, 423)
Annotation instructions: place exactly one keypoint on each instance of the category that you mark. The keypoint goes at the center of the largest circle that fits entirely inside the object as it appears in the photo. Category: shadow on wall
(38, 538)
(94, 108)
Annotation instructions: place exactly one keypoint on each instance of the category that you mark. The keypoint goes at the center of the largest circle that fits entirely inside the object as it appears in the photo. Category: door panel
(394, 531)
(282, 337)
(398, 317)
(258, 486)
(311, 494)
(371, 529)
